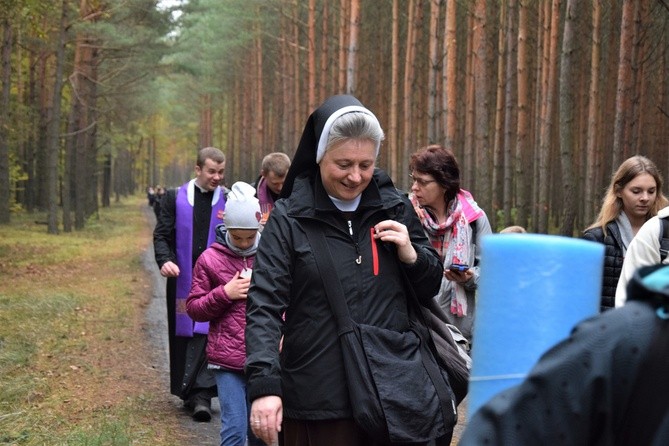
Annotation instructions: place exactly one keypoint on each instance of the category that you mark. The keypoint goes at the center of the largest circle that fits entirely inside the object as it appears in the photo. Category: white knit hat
(242, 209)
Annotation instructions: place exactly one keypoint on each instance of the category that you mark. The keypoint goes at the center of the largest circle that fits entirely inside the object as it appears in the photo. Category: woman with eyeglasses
(454, 224)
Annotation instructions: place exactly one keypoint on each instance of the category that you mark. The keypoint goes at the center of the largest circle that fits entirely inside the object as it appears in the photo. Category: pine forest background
(540, 99)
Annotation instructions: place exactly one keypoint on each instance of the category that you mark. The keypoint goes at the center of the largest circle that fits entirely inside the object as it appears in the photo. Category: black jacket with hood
(287, 296)
(581, 391)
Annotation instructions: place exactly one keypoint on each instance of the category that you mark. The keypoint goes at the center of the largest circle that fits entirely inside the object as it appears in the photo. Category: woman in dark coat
(634, 196)
(300, 388)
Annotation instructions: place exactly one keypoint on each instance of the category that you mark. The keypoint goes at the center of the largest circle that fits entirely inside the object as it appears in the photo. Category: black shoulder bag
(396, 389)
(451, 356)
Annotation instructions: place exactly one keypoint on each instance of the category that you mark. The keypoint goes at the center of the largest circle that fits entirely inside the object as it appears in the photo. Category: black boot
(201, 407)
(202, 412)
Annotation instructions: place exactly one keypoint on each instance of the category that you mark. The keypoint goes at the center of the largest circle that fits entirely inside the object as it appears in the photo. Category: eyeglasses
(420, 181)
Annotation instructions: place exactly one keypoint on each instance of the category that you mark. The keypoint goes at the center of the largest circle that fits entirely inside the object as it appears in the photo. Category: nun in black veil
(299, 389)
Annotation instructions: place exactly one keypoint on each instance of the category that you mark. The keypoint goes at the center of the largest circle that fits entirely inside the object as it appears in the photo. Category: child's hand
(238, 287)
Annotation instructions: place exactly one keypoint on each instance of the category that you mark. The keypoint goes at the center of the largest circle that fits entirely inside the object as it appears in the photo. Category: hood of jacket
(650, 284)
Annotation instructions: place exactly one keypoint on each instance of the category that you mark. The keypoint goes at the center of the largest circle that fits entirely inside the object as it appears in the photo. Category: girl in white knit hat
(221, 280)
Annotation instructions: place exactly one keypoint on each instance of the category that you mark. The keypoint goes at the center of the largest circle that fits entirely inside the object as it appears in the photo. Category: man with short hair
(272, 175)
(184, 229)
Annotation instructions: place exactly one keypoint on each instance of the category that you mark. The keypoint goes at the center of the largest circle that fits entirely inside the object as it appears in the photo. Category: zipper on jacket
(357, 248)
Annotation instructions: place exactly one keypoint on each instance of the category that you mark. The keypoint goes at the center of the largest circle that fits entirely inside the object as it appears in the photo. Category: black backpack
(664, 238)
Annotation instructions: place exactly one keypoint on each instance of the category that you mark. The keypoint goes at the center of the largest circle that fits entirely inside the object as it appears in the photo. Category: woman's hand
(460, 277)
(266, 418)
(395, 232)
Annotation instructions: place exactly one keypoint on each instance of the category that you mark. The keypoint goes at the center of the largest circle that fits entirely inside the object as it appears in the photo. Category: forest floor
(83, 357)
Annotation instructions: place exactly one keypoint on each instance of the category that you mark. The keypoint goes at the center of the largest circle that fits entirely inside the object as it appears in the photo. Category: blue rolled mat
(533, 289)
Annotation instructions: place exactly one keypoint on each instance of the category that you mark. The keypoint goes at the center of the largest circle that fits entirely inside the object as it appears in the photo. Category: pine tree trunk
(593, 164)
(53, 129)
(433, 72)
(352, 53)
(482, 106)
(621, 136)
(6, 59)
(548, 93)
(408, 140)
(511, 113)
(393, 135)
(311, 55)
(323, 84)
(344, 26)
(467, 158)
(500, 118)
(259, 142)
(205, 139)
(568, 136)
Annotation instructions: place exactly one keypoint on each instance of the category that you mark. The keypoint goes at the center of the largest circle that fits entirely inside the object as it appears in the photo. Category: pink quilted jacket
(208, 301)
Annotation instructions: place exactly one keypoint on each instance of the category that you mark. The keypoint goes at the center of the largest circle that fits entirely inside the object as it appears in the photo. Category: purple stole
(263, 194)
(184, 252)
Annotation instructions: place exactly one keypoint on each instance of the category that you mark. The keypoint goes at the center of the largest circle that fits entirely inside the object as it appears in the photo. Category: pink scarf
(452, 240)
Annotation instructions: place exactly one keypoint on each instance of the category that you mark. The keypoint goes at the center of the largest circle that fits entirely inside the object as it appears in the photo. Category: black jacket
(308, 373)
(183, 376)
(579, 392)
(613, 260)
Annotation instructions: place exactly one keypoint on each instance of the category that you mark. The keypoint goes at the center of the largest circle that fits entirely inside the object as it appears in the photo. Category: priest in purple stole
(184, 229)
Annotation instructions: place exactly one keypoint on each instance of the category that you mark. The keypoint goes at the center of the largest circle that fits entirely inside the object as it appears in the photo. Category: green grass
(70, 323)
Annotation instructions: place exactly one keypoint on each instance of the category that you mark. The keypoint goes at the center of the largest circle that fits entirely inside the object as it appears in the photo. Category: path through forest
(202, 434)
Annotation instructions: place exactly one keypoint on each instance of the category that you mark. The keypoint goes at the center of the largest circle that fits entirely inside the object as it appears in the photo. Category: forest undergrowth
(74, 367)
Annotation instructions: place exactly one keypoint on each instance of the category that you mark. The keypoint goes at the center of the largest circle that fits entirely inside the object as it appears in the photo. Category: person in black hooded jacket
(373, 233)
(605, 384)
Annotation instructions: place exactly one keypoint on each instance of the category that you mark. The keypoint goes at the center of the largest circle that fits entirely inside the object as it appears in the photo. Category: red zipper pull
(375, 254)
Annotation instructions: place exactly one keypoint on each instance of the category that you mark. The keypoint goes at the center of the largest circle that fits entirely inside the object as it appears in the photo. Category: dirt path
(204, 434)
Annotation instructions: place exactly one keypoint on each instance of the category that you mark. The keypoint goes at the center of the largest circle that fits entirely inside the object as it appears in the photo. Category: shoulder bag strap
(664, 238)
(325, 265)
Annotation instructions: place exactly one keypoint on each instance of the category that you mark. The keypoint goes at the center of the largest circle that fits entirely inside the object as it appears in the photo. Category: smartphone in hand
(458, 267)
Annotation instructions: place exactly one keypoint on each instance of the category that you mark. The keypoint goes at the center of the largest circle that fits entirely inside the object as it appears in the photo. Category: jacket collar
(309, 198)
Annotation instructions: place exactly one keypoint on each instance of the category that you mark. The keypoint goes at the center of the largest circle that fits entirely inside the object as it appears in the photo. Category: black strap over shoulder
(325, 265)
(664, 238)
(474, 234)
(335, 295)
